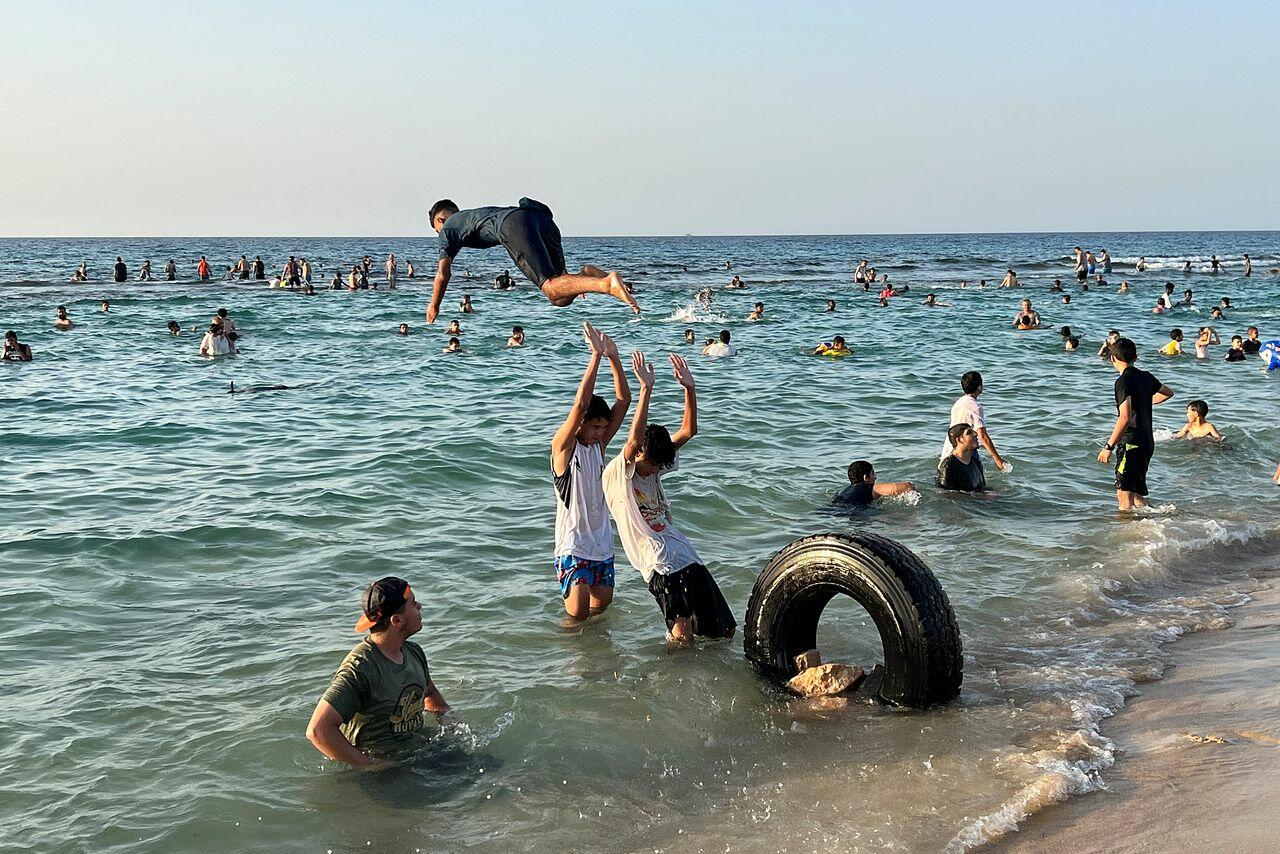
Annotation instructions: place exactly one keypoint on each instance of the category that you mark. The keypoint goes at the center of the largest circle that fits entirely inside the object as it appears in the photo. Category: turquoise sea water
(180, 569)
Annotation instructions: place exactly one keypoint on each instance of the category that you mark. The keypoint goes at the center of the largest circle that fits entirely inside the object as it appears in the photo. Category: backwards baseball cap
(383, 598)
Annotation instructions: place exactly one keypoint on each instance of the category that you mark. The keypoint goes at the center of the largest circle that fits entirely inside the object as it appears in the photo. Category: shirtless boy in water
(584, 536)
(1197, 426)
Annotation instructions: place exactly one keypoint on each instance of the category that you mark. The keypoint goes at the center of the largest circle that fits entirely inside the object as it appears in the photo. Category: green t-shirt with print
(381, 702)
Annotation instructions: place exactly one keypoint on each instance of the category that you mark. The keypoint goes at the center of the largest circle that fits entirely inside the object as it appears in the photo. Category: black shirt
(1252, 347)
(1234, 355)
(476, 228)
(953, 474)
(856, 494)
(122, 272)
(1140, 387)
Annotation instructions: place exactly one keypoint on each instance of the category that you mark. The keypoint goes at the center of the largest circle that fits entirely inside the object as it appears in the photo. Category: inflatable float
(923, 662)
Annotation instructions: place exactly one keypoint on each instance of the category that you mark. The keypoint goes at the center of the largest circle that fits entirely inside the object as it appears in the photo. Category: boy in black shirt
(1131, 438)
(863, 488)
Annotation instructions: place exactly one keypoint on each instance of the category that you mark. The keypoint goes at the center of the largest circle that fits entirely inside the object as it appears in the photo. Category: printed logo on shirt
(407, 716)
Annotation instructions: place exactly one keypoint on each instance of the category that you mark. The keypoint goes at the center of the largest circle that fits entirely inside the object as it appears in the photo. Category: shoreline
(1200, 752)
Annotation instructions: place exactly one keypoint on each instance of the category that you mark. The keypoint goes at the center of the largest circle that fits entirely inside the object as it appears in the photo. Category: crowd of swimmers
(374, 710)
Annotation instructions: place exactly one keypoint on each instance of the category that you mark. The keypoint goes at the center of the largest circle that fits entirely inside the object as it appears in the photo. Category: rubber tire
(923, 660)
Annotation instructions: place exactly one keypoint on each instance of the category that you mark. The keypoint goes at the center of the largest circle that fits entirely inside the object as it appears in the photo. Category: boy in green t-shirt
(373, 709)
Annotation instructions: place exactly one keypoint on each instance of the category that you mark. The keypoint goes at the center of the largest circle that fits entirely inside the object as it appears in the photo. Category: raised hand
(610, 348)
(642, 369)
(680, 368)
(595, 339)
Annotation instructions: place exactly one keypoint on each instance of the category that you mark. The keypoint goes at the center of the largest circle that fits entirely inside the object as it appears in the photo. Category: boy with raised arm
(584, 537)
(686, 593)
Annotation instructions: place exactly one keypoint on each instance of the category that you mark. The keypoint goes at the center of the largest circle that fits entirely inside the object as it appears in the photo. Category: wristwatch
(1109, 446)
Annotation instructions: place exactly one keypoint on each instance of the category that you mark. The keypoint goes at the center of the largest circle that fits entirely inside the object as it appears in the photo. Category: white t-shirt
(214, 345)
(582, 519)
(651, 540)
(966, 410)
(720, 349)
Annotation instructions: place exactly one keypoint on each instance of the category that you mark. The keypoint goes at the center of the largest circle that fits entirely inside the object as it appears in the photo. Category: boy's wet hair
(955, 431)
(1199, 407)
(516, 330)
(1235, 338)
(971, 382)
(598, 408)
(1073, 342)
(442, 205)
(1175, 334)
(858, 471)
(724, 336)
(658, 447)
(1065, 332)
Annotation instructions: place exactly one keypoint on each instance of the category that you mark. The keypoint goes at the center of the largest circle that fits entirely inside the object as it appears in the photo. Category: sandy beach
(1198, 764)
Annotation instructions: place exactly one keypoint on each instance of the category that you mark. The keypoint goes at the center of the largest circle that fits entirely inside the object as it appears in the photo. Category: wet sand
(1199, 753)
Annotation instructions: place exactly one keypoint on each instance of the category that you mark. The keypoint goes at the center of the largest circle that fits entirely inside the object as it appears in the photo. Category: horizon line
(635, 236)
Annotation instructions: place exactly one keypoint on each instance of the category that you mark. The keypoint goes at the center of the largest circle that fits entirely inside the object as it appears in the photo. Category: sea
(181, 568)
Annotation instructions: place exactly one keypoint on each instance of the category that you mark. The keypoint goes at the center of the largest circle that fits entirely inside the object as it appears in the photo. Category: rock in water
(826, 680)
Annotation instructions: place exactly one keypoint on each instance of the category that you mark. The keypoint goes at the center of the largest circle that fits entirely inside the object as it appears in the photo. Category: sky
(656, 118)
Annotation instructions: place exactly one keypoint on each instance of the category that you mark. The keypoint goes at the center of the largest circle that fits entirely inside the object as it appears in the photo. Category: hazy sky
(320, 118)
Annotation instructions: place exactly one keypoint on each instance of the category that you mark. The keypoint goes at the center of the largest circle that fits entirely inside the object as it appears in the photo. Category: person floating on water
(834, 347)
(504, 282)
(1252, 344)
(60, 320)
(961, 470)
(1235, 353)
(173, 327)
(517, 337)
(1010, 280)
(1132, 439)
(967, 410)
(1026, 318)
(584, 537)
(932, 301)
(1174, 346)
(106, 306)
(757, 312)
(455, 328)
(1197, 426)
(1104, 352)
(14, 350)
(864, 489)
(531, 238)
(831, 306)
(465, 305)
(735, 284)
(403, 329)
(372, 712)
(454, 346)
(688, 597)
(720, 349)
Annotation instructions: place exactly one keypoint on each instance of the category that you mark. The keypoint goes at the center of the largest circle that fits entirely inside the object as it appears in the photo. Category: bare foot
(618, 290)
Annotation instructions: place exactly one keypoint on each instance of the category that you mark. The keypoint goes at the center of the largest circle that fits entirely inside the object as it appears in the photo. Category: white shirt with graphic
(643, 515)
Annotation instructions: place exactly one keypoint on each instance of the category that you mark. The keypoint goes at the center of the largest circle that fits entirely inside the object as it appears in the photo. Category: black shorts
(693, 593)
(1081, 275)
(1132, 462)
(532, 239)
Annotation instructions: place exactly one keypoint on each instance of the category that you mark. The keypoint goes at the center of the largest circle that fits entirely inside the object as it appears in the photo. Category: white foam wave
(692, 313)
